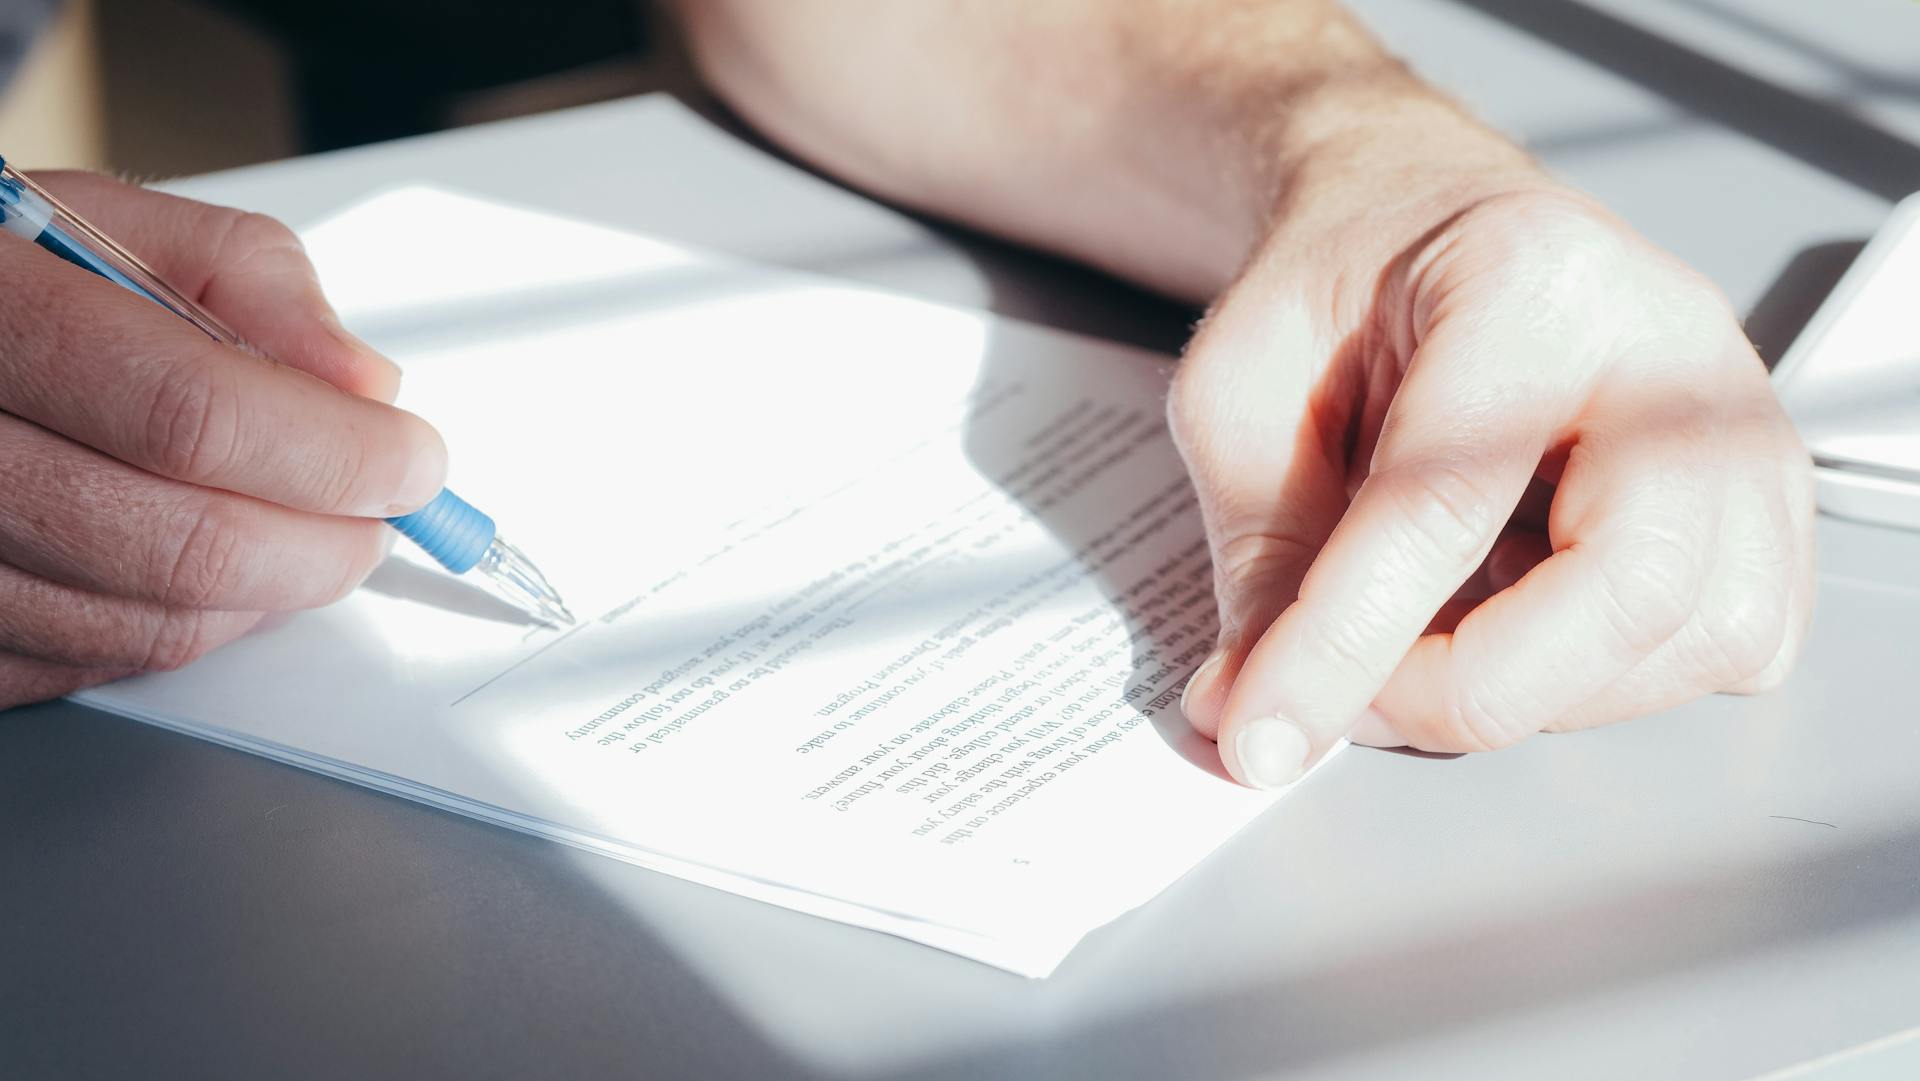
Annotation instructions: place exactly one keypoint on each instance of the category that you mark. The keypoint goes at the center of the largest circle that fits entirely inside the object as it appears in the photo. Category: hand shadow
(408, 581)
(1119, 449)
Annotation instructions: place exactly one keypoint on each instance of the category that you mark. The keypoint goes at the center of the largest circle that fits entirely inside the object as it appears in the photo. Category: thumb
(248, 269)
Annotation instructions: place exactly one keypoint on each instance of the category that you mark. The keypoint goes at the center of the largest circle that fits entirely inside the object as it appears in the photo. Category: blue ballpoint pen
(457, 536)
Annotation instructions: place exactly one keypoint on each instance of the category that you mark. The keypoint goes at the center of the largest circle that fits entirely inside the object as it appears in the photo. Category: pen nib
(515, 577)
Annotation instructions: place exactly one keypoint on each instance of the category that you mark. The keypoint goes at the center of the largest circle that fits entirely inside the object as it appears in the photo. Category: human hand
(1476, 466)
(1475, 460)
(160, 492)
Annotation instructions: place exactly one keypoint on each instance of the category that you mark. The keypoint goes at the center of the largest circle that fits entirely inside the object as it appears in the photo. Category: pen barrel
(450, 529)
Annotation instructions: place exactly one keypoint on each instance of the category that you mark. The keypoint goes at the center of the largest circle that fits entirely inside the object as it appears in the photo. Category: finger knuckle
(1481, 716)
(1695, 300)
(1744, 632)
(263, 230)
(1559, 263)
(177, 638)
(1220, 390)
(1261, 562)
(196, 557)
(1524, 217)
(1342, 647)
(1685, 307)
(1445, 509)
(337, 481)
(248, 235)
(192, 423)
(1535, 240)
(1651, 583)
(1189, 407)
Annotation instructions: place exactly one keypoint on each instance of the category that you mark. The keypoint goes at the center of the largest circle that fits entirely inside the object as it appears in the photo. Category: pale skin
(1475, 460)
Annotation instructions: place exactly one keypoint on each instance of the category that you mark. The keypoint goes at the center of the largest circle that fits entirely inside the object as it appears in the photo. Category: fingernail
(1272, 752)
(389, 375)
(1373, 730)
(426, 475)
(1203, 674)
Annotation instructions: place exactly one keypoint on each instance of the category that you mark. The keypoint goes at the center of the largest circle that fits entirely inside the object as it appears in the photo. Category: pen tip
(522, 583)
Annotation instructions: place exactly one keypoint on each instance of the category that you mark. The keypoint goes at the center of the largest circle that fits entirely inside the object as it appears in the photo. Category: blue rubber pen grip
(450, 529)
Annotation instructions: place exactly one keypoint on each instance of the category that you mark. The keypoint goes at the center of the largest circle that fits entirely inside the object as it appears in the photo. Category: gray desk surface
(1727, 891)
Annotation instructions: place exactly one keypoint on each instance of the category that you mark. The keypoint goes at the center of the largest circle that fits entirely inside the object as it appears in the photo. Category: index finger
(248, 269)
(109, 369)
(1460, 444)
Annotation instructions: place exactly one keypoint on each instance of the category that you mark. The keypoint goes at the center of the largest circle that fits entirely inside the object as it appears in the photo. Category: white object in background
(1851, 381)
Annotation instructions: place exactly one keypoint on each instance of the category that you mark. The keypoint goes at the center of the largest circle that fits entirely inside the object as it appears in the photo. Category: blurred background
(157, 88)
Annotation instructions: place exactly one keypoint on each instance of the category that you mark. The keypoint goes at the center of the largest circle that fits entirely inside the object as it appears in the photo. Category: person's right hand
(160, 492)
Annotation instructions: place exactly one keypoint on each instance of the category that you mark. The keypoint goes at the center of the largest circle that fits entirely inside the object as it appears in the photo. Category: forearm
(1162, 140)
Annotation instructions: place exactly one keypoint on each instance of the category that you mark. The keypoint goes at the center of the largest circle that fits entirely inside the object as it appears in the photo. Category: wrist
(1379, 168)
(1357, 187)
(1354, 158)
(1340, 205)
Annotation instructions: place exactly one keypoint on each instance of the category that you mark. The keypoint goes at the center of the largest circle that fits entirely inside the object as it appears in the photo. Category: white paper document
(886, 606)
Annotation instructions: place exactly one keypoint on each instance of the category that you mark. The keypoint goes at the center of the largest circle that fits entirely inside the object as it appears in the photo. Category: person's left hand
(1479, 469)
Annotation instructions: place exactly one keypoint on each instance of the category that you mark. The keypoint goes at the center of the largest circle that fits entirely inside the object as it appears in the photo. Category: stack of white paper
(886, 606)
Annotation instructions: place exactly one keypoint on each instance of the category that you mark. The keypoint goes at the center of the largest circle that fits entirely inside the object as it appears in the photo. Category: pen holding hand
(454, 532)
(159, 490)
